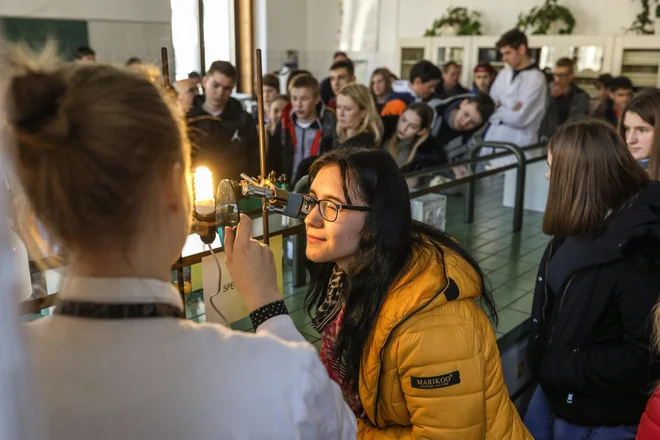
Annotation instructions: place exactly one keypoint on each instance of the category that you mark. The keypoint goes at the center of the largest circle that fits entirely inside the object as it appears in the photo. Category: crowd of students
(407, 349)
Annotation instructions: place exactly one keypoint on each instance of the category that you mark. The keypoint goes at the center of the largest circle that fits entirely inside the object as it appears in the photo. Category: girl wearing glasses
(395, 303)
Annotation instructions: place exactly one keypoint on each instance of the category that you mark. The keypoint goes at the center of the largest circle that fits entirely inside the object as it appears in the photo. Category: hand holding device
(251, 265)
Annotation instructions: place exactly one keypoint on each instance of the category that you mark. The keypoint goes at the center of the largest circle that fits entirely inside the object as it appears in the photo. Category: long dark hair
(385, 249)
(592, 174)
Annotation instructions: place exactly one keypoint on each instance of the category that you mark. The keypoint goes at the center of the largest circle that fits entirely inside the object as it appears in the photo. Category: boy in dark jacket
(458, 119)
(621, 92)
(303, 134)
(566, 100)
(223, 135)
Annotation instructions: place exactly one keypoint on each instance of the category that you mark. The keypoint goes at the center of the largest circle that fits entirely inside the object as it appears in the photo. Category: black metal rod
(521, 164)
(262, 139)
(299, 271)
(165, 66)
(180, 280)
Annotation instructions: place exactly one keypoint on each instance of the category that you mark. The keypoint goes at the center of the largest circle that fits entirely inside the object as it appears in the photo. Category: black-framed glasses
(330, 210)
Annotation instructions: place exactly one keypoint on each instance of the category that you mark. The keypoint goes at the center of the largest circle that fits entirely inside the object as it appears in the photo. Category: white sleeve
(496, 88)
(281, 327)
(532, 94)
(323, 413)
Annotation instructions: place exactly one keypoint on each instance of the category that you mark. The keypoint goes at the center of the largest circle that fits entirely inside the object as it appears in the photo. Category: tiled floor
(509, 260)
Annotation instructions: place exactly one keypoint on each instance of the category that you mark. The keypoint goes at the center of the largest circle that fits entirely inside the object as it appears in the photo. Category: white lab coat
(167, 378)
(520, 127)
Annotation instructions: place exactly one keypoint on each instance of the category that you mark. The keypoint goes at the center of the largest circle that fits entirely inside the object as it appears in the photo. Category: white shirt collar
(120, 290)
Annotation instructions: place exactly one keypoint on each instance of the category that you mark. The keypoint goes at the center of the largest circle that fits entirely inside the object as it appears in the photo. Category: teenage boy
(621, 92)
(460, 117)
(303, 134)
(519, 91)
(425, 77)
(342, 73)
(271, 86)
(326, 89)
(566, 100)
(85, 54)
(224, 135)
(451, 73)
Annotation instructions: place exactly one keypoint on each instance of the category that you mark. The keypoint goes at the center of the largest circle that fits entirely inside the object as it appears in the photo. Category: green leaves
(540, 18)
(643, 24)
(467, 21)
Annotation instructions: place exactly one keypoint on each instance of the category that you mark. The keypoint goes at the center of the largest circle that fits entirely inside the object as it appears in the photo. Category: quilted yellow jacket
(431, 368)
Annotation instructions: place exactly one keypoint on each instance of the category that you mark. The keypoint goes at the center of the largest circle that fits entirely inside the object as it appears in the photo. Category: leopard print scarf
(333, 303)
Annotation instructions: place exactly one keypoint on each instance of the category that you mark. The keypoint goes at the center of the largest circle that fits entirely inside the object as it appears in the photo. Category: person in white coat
(103, 159)
(519, 92)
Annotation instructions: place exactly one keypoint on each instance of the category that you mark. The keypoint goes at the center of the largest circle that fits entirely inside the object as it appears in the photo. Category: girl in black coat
(597, 284)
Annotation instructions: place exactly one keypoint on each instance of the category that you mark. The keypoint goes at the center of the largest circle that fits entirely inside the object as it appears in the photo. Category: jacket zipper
(382, 350)
(545, 281)
(561, 304)
(387, 340)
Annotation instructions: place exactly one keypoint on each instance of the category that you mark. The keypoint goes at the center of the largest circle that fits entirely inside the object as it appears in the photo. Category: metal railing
(521, 165)
(37, 304)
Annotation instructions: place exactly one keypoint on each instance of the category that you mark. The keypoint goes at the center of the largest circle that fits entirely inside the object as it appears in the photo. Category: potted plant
(456, 21)
(643, 24)
(546, 19)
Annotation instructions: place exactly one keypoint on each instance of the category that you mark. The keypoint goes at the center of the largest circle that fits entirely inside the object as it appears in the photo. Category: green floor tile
(300, 317)
(535, 243)
(523, 304)
(311, 339)
(309, 331)
(295, 302)
(512, 253)
(505, 295)
(494, 247)
(520, 284)
(244, 324)
(515, 268)
(479, 256)
(510, 319)
(493, 263)
(493, 234)
(497, 279)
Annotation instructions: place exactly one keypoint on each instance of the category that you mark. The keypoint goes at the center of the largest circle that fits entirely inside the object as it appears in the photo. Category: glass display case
(409, 57)
(588, 66)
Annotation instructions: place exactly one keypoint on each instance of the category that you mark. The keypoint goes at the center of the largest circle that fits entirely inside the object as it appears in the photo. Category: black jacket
(361, 140)
(590, 342)
(575, 103)
(606, 111)
(227, 144)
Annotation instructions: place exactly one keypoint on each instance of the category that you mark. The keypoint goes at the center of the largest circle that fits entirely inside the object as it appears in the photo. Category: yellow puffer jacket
(431, 368)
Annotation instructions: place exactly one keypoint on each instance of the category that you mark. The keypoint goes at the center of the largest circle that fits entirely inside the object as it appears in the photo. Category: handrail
(448, 166)
(38, 304)
(520, 182)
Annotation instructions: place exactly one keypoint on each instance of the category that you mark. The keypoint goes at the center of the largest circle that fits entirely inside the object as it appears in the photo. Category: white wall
(310, 26)
(593, 17)
(119, 10)
(118, 29)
